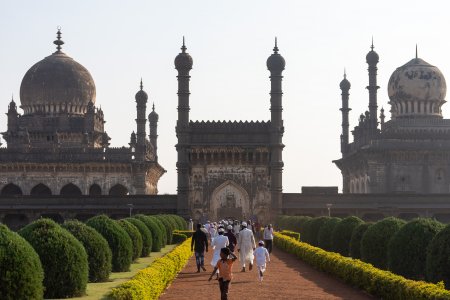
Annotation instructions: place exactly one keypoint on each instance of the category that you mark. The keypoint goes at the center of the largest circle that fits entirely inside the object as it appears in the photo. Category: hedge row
(152, 281)
(292, 234)
(187, 233)
(379, 283)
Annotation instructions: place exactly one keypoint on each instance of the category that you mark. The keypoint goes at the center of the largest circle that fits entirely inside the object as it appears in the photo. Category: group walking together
(225, 238)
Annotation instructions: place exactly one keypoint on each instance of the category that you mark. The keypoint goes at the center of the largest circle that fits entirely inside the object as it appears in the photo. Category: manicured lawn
(100, 290)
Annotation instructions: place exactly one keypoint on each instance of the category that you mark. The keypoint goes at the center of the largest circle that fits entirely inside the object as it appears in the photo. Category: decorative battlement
(230, 125)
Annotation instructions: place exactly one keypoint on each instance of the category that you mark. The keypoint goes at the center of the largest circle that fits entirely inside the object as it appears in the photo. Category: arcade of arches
(69, 189)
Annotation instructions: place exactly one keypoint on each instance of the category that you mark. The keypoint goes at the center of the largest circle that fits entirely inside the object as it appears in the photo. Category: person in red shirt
(224, 266)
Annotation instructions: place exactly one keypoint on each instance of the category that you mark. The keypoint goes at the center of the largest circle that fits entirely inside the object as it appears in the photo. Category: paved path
(286, 278)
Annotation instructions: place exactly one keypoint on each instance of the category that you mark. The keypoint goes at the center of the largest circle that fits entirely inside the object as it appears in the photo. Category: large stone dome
(57, 84)
(417, 89)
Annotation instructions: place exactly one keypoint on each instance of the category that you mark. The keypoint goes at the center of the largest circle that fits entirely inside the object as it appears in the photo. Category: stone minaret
(276, 64)
(13, 116)
(372, 59)
(345, 87)
(141, 106)
(183, 64)
(153, 122)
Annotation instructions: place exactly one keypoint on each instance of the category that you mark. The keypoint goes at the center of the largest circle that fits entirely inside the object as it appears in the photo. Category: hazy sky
(121, 41)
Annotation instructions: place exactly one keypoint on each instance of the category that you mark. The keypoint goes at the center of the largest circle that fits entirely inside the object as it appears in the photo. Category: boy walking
(261, 257)
(224, 266)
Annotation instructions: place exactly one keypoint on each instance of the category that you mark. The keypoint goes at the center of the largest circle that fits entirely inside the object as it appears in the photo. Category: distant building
(229, 169)
(410, 153)
(58, 146)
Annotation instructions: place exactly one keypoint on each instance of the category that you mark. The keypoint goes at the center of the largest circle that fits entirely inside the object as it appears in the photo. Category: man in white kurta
(219, 242)
(246, 246)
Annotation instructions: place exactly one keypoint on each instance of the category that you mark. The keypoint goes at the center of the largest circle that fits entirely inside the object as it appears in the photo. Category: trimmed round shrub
(179, 222)
(167, 226)
(145, 234)
(162, 228)
(154, 229)
(97, 249)
(374, 243)
(355, 241)
(63, 258)
(135, 237)
(179, 238)
(118, 240)
(21, 272)
(438, 258)
(407, 250)
(342, 234)
(313, 228)
(326, 233)
(304, 230)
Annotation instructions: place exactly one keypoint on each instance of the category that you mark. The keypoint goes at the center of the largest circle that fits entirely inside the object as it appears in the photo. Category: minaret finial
(142, 86)
(12, 97)
(275, 49)
(58, 42)
(183, 48)
(416, 52)
(371, 47)
(345, 74)
(153, 107)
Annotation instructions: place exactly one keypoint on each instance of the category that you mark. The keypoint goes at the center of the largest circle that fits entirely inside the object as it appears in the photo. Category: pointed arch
(95, 190)
(70, 189)
(230, 198)
(118, 190)
(41, 190)
(11, 190)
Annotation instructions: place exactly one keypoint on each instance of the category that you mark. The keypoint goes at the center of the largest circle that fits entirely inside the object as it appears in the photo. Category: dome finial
(153, 107)
(416, 52)
(141, 85)
(275, 49)
(12, 97)
(345, 74)
(58, 42)
(183, 48)
(371, 47)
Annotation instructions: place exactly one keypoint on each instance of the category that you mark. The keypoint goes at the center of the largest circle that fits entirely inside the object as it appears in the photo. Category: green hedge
(379, 283)
(151, 282)
(21, 272)
(324, 238)
(168, 226)
(118, 240)
(135, 236)
(62, 256)
(407, 250)
(292, 234)
(187, 233)
(355, 241)
(312, 231)
(145, 234)
(179, 238)
(342, 235)
(154, 229)
(162, 228)
(292, 223)
(438, 257)
(97, 249)
(374, 243)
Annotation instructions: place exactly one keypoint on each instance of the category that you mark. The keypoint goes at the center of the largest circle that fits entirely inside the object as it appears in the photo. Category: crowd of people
(227, 237)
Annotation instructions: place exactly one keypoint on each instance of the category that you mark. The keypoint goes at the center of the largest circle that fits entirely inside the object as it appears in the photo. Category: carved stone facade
(59, 146)
(409, 153)
(229, 169)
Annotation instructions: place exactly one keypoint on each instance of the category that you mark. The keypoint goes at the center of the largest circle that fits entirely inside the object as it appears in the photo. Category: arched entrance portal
(230, 200)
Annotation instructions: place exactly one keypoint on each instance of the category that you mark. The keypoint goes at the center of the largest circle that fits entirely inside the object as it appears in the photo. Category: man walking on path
(231, 238)
(199, 244)
(268, 237)
(219, 242)
(261, 257)
(246, 246)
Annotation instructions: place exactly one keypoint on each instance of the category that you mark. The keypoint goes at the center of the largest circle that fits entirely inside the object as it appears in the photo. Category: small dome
(141, 95)
(372, 57)
(419, 82)
(153, 116)
(345, 84)
(276, 62)
(57, 84)
(183, 61)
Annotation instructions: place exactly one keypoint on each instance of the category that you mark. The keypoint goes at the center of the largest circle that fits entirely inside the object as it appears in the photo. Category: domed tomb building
(59, 146)
(410, 153)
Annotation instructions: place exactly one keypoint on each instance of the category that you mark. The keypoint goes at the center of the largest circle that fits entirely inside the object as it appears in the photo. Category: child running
(261, 256)
(224, 266)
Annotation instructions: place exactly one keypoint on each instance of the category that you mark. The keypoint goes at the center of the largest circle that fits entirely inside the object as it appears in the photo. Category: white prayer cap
(221, 230)
(229, 227)
(261, 243)
(244, 224)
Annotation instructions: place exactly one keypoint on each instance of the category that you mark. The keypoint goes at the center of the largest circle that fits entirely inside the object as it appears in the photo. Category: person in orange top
(224, 266)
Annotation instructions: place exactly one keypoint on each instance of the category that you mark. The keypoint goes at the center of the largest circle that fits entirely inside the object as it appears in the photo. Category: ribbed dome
(417, 89)
(275, 62)
(183, 61)
(57, 84)
(345, 84)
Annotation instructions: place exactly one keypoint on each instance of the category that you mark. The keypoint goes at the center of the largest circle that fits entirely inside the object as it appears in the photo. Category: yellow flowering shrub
(151, 282)
(380, 283)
